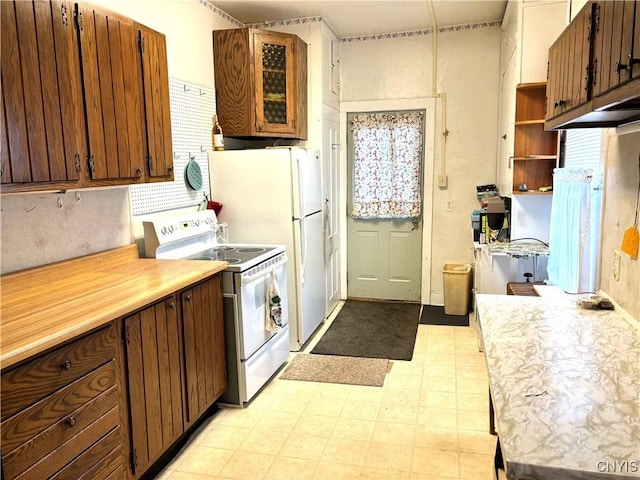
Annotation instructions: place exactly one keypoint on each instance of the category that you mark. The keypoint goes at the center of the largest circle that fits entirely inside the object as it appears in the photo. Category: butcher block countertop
(45, 306)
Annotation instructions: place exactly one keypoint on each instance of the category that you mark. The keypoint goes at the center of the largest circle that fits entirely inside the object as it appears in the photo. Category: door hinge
(125, 334)
(64, 14)
(150, 165)
(78, 17)
(133, 461)
(91, 165)
(76, 160)
(141, 42)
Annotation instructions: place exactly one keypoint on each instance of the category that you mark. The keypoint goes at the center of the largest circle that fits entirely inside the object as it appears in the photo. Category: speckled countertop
(565, 385)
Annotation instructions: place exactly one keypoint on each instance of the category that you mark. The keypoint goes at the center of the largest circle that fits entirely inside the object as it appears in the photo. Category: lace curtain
(575, 229)
(386, 164)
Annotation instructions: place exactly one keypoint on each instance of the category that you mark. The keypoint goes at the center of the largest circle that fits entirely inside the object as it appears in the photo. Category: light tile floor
(428, 422)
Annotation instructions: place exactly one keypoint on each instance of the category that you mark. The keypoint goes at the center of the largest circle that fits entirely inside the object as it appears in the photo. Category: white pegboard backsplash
(192, 107)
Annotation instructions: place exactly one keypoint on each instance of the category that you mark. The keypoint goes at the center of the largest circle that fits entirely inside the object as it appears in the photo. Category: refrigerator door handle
(303, 251)
(301, 203)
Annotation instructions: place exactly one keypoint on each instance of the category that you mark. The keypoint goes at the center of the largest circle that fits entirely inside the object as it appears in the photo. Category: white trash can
(457, 288)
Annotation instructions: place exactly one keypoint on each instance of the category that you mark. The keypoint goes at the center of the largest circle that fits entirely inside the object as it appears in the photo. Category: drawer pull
(71, 421)
(66, 365)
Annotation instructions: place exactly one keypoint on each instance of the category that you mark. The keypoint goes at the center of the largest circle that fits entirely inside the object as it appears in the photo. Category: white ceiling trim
(222, 13)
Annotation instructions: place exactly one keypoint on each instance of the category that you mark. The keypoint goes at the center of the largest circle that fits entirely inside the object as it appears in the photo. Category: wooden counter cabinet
(175, 368)
(152, 346)
(61, 412)
(203, 329)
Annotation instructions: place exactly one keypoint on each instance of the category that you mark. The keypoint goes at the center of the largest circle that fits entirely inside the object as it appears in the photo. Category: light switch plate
(442, 181)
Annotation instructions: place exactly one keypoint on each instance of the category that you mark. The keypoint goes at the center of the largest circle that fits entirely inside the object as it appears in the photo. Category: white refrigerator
(274, 195)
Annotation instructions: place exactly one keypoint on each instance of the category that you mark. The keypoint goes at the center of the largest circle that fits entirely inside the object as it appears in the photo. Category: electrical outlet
(616, 265)
(449, 206)
(442, 181)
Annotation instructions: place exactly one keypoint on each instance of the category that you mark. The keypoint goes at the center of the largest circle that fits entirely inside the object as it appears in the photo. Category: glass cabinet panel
(274, 83)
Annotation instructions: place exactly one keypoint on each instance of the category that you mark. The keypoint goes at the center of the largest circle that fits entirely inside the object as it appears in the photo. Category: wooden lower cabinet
(152, 345)
(175, 368)
(90, 409)
(61, 412)
(205, 366)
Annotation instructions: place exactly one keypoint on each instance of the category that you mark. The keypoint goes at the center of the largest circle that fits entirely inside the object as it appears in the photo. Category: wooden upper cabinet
(42, 130)
(74, 104)
(261, 83)
(569, 63)
(613, 41)
(594, 68)
(108, 47)
(157, 117)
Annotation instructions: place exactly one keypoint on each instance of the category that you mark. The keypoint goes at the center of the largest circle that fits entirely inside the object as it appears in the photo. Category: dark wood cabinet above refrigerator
(261, 83)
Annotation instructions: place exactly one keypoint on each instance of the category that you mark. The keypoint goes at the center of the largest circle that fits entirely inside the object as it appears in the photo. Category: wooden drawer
(73, 432)
(99, 457)
(33, 381)
(42, 426)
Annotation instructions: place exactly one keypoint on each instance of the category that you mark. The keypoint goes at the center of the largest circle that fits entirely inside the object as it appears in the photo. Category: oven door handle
(263, 273)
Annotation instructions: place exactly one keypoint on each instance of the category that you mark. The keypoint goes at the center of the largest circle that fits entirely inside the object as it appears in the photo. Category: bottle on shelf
(218, 139)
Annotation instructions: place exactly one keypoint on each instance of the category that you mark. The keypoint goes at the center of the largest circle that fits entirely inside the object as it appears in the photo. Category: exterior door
(383, 250)
(331, 195)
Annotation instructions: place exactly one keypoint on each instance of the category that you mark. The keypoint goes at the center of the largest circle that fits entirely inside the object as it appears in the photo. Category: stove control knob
(196, 222)
(164, 230)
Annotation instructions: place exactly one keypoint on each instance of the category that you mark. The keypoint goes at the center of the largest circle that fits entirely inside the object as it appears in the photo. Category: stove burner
(250, 249)
(231, 260)
(201, 257)
(222, 249)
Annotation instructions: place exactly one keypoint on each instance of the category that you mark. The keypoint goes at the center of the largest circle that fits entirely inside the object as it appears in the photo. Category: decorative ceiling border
(357, 38)
(423, 31)
(222, 13)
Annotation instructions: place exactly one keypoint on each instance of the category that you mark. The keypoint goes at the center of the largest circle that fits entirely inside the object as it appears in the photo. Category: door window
(386, 164)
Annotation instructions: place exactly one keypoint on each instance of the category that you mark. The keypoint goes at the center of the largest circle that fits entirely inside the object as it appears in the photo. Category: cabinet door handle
(66, 365)
(188, 298)
(172, 305)
(71, 421)
(138, 171)
(559, 103)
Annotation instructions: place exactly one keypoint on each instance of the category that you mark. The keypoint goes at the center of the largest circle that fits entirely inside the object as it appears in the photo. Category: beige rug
(337, 369)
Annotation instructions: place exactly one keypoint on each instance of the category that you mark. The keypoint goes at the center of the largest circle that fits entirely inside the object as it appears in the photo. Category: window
(574, 234)
(386, 164)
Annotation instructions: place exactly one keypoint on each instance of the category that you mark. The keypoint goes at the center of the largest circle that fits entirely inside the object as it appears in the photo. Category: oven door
(251, 287)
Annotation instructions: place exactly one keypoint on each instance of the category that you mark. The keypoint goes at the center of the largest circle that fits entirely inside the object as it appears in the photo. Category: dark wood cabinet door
(203, 325)
(157, 117)
(635, 55)
(42, 124)
(155, 381)
(274, 80)
(569, 66)
(112, 95)
(613, 41)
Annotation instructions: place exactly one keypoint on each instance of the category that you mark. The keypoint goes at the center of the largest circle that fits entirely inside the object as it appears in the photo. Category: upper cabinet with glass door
(261, 83)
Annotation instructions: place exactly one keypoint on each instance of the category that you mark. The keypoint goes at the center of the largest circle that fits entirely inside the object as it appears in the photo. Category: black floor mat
(373, 330)
(434, 315)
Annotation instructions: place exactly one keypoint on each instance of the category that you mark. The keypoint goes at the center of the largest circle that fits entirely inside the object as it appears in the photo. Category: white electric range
(255, 351)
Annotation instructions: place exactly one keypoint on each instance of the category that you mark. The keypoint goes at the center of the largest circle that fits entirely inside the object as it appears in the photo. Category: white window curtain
(386, 164)
(575, 229)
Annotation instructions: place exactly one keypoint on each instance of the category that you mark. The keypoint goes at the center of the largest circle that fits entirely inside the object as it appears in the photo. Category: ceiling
(351, 18)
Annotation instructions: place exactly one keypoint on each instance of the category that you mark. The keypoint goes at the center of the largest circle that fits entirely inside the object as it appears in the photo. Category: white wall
(468, 72)
(620, 196)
